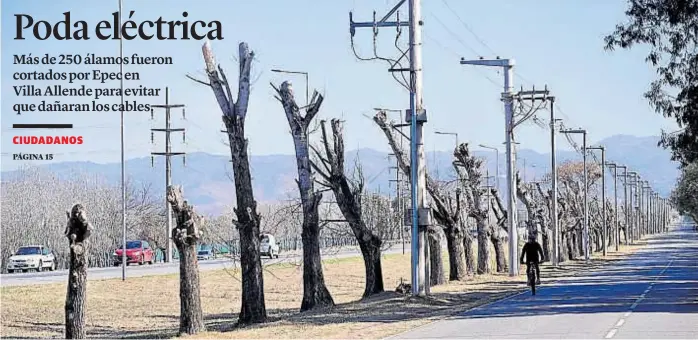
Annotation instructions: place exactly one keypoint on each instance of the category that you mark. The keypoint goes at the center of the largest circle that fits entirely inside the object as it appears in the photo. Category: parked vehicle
(268, 246)
(34, 257)
(136, 252)
(205, 254)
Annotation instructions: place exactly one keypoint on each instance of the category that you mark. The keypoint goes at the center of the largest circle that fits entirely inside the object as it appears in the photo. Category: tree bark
(186, 236)
(437, 275)
(77, 230)
(564, 251)
(315, 292)
(348, 196)
(500, 234)
(483, 248)
(253, 307)
(470, 259)
(457, 253)
(545, 245)
(499, 254)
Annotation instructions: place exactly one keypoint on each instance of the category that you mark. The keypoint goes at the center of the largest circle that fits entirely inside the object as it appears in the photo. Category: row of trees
(321, 169)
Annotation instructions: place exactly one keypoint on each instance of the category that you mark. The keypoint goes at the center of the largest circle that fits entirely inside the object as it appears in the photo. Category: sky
(554, 43)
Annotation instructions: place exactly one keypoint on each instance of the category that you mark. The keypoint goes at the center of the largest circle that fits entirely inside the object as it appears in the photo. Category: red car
(136, 252)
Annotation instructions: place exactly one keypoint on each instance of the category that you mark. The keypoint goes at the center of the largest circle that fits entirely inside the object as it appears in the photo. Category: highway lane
(21, 279)
(653, 294)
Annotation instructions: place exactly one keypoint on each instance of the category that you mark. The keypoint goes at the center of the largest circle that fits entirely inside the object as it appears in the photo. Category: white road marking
(620, 322)
(611, 333)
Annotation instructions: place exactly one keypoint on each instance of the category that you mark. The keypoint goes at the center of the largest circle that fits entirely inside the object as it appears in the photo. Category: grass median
(148, 307)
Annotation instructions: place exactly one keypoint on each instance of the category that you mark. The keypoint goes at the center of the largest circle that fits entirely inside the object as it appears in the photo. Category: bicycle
(531, 272)
(531, 275)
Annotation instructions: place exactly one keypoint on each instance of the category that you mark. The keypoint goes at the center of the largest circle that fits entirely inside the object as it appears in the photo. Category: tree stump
(186, 236)
(77, 230)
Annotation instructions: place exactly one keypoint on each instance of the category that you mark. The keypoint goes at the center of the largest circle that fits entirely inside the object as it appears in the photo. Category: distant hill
(207, 183)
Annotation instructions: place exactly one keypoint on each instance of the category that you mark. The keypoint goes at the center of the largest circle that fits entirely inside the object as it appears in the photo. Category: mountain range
(207, 183)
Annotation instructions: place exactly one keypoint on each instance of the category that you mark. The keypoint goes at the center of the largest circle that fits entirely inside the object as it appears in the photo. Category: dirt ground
(148, 307)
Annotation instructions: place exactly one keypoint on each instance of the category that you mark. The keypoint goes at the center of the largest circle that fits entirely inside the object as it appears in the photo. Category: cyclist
(531, 250)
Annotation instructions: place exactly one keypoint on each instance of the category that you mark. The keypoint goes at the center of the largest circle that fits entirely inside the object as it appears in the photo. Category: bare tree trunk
(437, 276)
(564, 251)
(499, 255)
(315, 293)
(253, 308)
(348, 196)
(77, 230)
(455, 239)
(483, 248)
(186, 237)
(469, 253)
(546, 245)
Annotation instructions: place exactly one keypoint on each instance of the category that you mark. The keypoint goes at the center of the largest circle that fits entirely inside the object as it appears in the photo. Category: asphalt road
(653, 294)
(134, 270)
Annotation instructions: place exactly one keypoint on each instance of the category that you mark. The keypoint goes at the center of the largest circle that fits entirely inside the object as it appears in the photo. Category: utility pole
(616, 230)
(553, 185)
(625, 201)
(633, 201)
(417, 117)
(604, 230)
(168, 169)
(586, 189)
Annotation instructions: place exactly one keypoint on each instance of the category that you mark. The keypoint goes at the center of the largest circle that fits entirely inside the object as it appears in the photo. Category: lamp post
(448, 133)
(507, 66)
(307, 82)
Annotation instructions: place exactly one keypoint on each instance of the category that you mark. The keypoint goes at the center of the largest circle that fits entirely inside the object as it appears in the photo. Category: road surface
(21, 279)
(653, 294)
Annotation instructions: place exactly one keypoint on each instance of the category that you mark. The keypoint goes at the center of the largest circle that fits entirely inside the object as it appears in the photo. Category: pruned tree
(247, 220)
(447, 213)
(535, 209)
(500, 232)
(348, 195)
(186, 235)
(468, 168)
(315, 292)
(669, 30)
(77, 230)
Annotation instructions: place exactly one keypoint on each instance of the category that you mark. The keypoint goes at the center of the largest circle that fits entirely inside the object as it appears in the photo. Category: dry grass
(148, 307)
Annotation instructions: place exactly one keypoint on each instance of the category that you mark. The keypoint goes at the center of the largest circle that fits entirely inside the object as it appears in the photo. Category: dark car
(136, 252)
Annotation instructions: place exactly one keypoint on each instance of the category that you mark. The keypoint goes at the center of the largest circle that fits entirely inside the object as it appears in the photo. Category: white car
(34, 257)
(268, 246)
(205, 254)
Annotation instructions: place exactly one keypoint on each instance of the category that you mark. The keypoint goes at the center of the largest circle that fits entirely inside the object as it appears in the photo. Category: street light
(507, 66)
(307, 82)
(496, 153)
(448, 133)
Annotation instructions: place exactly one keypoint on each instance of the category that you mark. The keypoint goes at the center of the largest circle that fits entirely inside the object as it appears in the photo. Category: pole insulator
(184, 113)
(184, 137)
(184, 160)
(152, 161)
(152, 114)
(152, 137)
